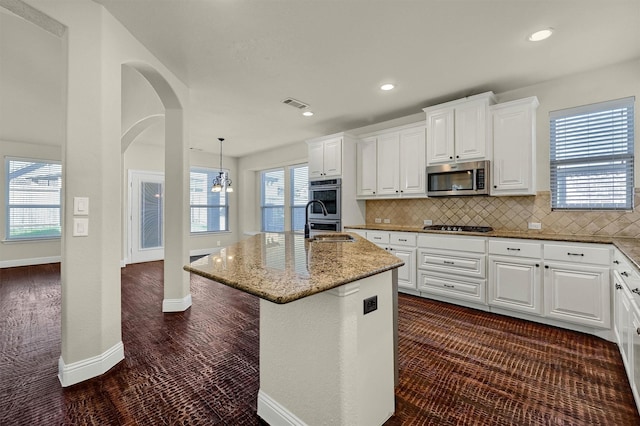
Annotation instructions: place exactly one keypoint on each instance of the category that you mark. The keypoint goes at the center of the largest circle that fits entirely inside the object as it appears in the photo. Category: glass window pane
(151, 215)
(273, 219)
(33, 199)
(209, 210)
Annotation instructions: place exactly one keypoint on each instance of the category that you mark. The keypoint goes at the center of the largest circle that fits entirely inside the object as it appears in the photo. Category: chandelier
(222, 180)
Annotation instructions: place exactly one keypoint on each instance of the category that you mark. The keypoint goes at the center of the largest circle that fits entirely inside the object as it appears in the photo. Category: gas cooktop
(456, 228)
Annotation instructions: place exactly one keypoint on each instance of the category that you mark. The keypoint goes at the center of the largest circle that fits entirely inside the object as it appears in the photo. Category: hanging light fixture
(221, 181)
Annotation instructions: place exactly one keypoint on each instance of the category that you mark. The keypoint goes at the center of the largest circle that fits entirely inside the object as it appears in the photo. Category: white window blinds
(591, 158)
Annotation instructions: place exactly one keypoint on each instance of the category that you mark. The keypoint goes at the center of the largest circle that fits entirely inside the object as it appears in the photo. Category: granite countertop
(630, 247)
(285, 267)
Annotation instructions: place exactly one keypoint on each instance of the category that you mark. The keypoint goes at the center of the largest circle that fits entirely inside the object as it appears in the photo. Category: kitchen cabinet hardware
(537, 265)
(617, 262)
(624, 273)
(618, 287)
(546, 266)
(636, 290)
(638, 331)
(449, 286)
(575, 254)
(448, 262)
(513, 249)
(402, 239)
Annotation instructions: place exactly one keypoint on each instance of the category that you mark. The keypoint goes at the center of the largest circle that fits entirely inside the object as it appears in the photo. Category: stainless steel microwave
(452, 180)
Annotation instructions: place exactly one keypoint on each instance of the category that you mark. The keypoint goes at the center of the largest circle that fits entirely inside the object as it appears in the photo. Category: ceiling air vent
(295, 103)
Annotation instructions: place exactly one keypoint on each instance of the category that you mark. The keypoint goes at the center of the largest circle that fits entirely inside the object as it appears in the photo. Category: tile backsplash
(506, 214)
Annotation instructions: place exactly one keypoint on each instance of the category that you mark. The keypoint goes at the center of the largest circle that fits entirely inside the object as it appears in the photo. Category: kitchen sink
(332, 238)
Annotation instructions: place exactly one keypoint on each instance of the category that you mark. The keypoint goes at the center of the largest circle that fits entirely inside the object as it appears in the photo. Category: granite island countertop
(630, 247)
(283, 267)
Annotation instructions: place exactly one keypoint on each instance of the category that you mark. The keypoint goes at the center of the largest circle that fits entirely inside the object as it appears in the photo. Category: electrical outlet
(370, 304)
(427, 222)
(387, 221)
(535, 225)
(378, 220)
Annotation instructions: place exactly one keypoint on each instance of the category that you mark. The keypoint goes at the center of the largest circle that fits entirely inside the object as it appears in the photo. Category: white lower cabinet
(452, 267)
(577, 283)
(515, 281)
(577, 294)
(403, 246)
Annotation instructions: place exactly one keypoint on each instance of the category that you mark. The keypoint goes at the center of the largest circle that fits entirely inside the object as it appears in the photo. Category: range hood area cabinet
(457, 131)
(513, 131)
(391, 163)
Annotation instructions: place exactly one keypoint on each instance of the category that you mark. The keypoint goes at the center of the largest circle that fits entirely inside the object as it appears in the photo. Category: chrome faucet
(306, 215)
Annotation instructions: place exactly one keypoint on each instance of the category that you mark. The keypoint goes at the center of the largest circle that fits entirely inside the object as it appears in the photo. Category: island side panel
(322, 361)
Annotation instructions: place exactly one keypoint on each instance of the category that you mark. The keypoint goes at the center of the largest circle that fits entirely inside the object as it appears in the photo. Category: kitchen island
(322, 359)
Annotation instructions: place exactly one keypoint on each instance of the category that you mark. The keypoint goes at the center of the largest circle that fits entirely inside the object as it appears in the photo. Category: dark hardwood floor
(458, 366)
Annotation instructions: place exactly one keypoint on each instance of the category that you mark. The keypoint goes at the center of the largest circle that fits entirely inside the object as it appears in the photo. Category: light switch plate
(80, 206)
(378, 220)
(80, 227)
(535, 225)
(427, 222)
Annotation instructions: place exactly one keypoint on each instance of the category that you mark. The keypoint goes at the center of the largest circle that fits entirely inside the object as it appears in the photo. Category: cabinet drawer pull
(448, 262)
(449, 286)
(402, 239)
(575, 254)
(377, 238)
(636, 291)
(624, 273)
(513, 249)
(618, 287)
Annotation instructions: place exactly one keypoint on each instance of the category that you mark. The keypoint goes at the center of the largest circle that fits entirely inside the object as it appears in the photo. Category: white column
(177, 294)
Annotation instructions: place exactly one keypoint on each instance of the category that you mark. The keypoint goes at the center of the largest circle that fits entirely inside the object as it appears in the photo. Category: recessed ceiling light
(387, 86)
(541, 35)
(307, 113)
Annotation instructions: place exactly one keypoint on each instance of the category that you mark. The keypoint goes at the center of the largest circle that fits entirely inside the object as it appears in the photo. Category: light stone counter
(285, 267)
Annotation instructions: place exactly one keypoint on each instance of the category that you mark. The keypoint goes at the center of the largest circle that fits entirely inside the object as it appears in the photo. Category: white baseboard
(29, 262)
(275, 414)
(176, 305)
(76, 372)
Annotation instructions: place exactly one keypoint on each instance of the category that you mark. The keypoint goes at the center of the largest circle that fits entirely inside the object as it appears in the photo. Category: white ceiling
(241, 58)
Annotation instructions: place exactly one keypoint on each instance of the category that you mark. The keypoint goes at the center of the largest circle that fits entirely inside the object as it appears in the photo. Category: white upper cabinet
(513, 130)
(412, 161)
(325, 158)
(457, 130)
(366, 167)
(392, 163)
(388, 164)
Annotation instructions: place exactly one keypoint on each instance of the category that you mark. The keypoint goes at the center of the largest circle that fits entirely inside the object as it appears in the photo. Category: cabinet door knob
(624, 273)
(616, 262)
(450, 158)
(638, 331)
(618, 287)
(546, 266)
(636, 291)
(537, 265)
(495, 186)
(457, 156)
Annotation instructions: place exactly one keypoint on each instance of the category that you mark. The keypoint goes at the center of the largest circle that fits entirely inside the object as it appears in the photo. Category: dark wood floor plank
(458, 366)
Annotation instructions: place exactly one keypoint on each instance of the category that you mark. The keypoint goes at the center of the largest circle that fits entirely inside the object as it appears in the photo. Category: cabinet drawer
(452, 263)
(378, 237)
(397, 239)
(453, 242)
(586, 254)
(453, 287)
(515, 248)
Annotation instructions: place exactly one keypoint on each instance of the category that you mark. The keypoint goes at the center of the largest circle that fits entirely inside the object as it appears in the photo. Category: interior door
(146, 230)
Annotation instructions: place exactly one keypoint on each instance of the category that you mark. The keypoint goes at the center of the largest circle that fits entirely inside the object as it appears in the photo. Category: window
(592, 156)
(273, 200)
(33, 199)
(292, 181)
(299, 195)
(209, 210)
